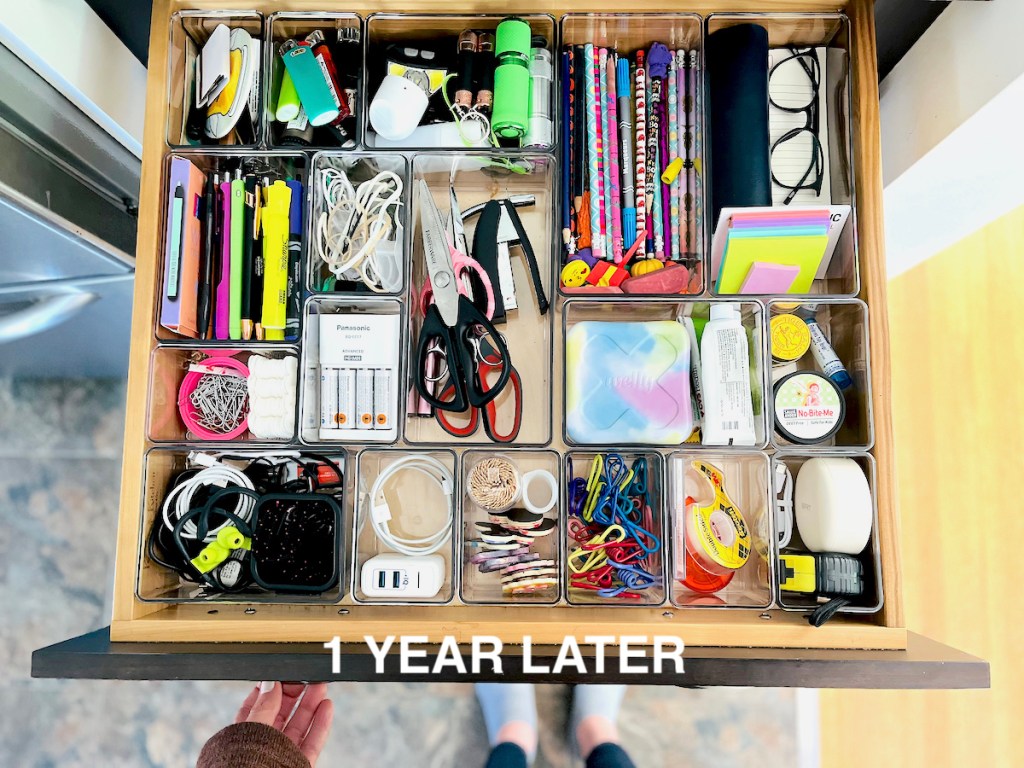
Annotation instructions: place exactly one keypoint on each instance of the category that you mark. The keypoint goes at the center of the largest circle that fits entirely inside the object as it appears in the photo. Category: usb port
(396, 578)
(382, 580)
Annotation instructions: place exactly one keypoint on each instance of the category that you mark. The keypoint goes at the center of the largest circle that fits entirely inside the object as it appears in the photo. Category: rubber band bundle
(358, 231)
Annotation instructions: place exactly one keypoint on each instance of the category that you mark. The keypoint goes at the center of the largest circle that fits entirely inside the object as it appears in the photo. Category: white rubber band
(549, 481)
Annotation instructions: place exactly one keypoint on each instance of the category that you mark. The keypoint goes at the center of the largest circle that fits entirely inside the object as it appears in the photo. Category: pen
(204, 307)
(248, 216)
(622, 86)
(177, 236)
(237, 247)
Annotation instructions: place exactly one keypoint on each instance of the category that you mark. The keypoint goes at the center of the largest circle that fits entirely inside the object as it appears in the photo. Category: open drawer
(760, 643)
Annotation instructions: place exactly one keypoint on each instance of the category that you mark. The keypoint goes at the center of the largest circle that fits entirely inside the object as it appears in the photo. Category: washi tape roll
(717, 536)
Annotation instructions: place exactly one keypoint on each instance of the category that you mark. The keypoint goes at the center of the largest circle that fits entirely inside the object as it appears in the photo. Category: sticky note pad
(765, 277)
(741, 253)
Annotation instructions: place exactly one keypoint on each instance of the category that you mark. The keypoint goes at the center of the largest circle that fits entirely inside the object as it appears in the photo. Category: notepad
(804, 252)
(766, 224)
(769, 278)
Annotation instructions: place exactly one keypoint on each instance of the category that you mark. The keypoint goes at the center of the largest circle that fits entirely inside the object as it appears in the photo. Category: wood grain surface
(958, 364)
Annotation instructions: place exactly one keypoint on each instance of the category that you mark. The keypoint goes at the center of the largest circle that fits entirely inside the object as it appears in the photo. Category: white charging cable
(784, 503)
(380, 512)
(214, 473)
(355, 223)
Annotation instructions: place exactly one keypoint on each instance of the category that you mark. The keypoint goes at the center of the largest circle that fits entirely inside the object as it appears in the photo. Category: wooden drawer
(728, 646)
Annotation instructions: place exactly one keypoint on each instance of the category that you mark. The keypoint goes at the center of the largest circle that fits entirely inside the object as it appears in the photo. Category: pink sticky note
(765, 277)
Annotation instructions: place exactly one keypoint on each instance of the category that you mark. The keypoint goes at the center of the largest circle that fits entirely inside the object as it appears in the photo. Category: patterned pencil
(613, 147)
(641, 153)
(593, 153)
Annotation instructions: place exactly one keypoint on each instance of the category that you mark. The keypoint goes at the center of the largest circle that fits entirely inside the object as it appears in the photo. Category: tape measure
(717, 537)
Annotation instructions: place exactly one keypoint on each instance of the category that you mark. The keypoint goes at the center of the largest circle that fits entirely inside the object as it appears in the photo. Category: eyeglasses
(797, 158)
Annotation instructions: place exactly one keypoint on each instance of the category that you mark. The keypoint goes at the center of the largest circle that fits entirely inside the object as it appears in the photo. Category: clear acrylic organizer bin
(481, 588)
(844, 324)
(272, 165)
(283, 26)
(359, 167)
(418, 509)
(439, 33)
(189, 32)
(312, 427)
(575, 311)
(746, 486)
(157, 583)
(578, 465)
(870, 557)
(169, 365)
(626, 33)
(526, 331)
(841, 276)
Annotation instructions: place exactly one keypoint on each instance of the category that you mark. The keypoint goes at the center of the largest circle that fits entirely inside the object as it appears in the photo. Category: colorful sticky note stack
(773, 251)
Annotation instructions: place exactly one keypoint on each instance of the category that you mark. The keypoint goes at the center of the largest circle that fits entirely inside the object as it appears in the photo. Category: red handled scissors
(488, 363)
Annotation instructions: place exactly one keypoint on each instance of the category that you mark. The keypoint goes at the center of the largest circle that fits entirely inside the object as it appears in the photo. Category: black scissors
(452, 326)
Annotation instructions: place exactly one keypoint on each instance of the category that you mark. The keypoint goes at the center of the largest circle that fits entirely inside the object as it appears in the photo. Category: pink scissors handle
(462, 265)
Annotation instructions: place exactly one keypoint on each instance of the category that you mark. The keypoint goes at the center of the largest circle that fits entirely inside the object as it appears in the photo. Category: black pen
(204, 304)
(256, 279)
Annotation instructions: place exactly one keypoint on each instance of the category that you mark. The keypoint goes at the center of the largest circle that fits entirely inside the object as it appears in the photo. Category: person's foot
(595, 710)
(510, 712)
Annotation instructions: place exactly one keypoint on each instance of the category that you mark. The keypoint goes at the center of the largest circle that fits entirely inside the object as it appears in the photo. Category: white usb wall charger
(400, 577)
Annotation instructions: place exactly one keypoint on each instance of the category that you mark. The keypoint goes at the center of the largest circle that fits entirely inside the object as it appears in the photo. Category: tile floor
(60, 446)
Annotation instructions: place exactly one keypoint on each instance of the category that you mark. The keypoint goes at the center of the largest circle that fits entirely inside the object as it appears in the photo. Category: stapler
(498, 231)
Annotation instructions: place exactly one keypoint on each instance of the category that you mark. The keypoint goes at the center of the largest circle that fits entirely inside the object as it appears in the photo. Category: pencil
(613, 153)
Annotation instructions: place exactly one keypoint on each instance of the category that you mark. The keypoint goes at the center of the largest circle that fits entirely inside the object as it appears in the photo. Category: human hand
(301, 712)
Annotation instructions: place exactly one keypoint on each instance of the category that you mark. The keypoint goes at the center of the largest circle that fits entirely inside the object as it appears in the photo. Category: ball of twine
(494, 483)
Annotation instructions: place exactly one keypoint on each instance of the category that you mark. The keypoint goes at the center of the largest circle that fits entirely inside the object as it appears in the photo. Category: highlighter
(275, 222)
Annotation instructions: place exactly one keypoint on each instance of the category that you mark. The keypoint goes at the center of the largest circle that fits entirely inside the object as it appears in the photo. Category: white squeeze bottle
(725, 377)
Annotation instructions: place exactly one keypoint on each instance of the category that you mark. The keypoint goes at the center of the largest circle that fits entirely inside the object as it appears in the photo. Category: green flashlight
(511, 115)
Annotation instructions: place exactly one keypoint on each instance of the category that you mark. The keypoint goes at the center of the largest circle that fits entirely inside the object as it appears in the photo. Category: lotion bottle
(725, 380)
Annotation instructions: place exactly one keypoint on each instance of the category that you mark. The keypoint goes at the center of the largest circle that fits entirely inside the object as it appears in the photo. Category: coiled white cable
(380, 513)
(179, 500)
(355, 222)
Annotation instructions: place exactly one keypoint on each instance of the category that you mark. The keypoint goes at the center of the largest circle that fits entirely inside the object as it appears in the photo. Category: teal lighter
(310, 84)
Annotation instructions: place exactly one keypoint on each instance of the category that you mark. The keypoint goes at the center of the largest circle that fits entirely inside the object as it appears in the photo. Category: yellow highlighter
(276, 204)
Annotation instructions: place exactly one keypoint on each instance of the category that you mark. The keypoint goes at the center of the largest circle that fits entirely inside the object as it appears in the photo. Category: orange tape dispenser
(717, 539)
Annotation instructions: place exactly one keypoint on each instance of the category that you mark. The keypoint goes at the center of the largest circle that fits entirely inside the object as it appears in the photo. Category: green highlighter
(237, 238)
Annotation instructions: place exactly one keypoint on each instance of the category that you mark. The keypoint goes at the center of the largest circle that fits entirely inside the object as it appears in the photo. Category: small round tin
(809, 408)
